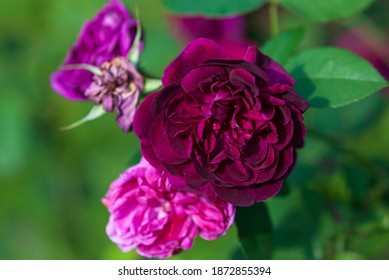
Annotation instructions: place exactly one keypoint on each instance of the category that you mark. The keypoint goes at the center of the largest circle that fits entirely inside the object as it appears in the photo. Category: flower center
(166, 205)
(222, 111)
(118, 80)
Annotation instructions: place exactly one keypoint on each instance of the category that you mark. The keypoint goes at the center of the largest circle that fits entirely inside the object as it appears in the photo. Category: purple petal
(193, 79)
(246, 196)
(142, 123)
(195, 53)
(285, 162)
(276, 73)
(126, 112)
(160, 143)
(71, 84)
(109, 34)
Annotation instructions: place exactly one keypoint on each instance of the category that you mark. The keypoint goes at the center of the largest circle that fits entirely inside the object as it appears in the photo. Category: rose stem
(273, 13)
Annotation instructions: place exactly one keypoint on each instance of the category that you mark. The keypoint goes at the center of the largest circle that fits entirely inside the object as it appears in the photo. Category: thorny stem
(273, 13)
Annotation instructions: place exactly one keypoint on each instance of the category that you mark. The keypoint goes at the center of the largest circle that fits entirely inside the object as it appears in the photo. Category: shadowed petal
(196, 52)
(246, 196)
(276, 73)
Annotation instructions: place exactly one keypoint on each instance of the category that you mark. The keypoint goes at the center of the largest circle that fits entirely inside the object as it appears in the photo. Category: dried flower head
(117, 88)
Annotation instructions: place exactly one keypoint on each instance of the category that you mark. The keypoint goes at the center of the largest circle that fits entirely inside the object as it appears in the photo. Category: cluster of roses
(220, 133)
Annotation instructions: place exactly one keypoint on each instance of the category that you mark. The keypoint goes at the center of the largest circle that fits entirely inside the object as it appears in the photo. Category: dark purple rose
(109, 34)
(234, 123)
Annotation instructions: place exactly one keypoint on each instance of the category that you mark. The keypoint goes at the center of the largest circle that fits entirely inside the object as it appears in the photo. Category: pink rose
(148, 215)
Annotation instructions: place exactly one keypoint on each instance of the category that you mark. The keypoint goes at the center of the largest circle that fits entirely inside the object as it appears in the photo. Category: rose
(146, 214)
(234, 123)
(109, 34)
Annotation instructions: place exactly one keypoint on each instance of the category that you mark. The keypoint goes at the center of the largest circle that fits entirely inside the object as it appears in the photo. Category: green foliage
(280, 48)
(152, 85)
(134, 54)
(334, 205)
(95, 113)
(333, 77)
(212, 8)
(347, 121)
(255, 231)
(327, 10)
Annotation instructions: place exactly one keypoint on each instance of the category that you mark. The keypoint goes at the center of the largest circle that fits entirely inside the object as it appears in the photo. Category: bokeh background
(334, 206)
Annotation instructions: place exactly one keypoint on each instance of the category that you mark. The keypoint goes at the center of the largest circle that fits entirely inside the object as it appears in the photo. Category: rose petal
(196, 52)
(255, 151)
(276, 73)
(240, 75)
(161, 145)
(142, 123)
(246, 196)
(285, 161)
(188, 172)
(193, 79)
(71, 84)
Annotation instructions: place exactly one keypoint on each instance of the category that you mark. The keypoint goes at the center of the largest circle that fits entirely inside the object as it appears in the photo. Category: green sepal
(95, 113)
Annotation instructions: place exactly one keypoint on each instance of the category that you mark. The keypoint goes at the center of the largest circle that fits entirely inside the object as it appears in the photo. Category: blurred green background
(336, 205)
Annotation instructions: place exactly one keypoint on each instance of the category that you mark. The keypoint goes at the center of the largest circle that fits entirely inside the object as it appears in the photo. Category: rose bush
(109, 34)
(145, 213)
(233, 123)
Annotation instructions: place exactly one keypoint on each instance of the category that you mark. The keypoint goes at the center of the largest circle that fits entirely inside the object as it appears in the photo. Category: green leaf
(358, 181)
(134, 53)
(333, 77)
(280, 48)
(96, 112)
(285, 190)
(348, 121)
(212, 8)
(325, 10)
(152, 85)
(255, 231)
(83, 66)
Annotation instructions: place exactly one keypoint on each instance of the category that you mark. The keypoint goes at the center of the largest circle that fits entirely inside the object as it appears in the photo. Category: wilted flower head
(146, 214)
(109, 34)
(233, 123)
(97, 67)
(117, 87)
